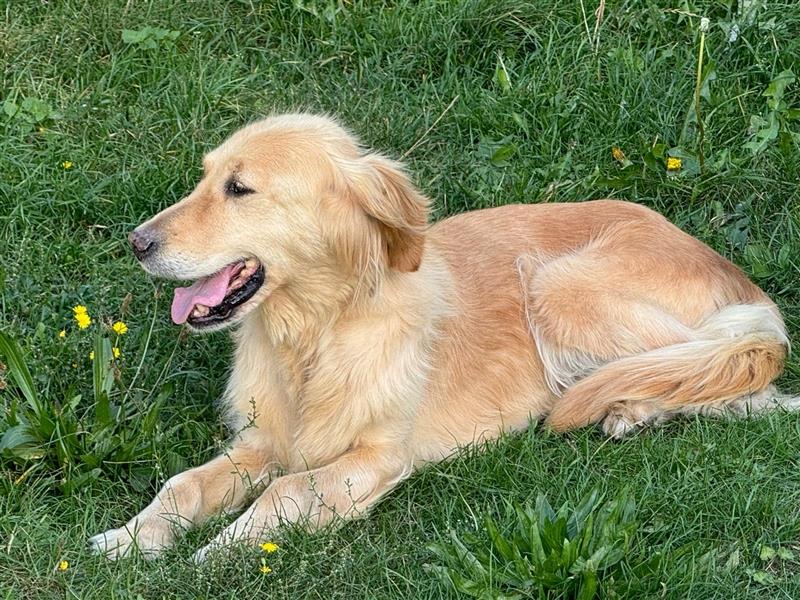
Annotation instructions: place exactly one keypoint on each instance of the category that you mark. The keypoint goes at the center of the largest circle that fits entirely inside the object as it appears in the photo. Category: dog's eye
(237, 188)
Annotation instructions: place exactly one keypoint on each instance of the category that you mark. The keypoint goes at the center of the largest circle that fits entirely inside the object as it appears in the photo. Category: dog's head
(280, 202)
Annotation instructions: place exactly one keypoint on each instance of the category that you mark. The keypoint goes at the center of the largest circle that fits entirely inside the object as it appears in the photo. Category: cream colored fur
(378, 343)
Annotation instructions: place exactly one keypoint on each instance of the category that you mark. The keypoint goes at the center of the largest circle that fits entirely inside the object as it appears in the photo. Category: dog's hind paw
(628, 418)
(618, 426)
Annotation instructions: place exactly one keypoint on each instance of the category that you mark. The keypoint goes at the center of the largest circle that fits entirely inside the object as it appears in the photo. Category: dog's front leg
(187, 499)
(346, 488)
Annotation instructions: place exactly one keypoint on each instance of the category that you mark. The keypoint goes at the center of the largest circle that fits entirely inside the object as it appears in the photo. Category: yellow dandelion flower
(62, 334)
(116, 352)
(619, 156)
(63, 565)
(120, 328)
(91, 355)
(82, 316)
(67, 164)
(269, 547)
(265, 569)
(83, 320)
(74, 365)
(674, 164)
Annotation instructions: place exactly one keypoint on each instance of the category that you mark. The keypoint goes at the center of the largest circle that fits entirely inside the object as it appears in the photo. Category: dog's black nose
(143, 243)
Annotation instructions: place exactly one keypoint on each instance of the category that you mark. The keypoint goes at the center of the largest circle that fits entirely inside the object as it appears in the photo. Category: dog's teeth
(200, 310)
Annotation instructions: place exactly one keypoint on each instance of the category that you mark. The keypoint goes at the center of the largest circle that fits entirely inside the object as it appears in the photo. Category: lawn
(107, 109)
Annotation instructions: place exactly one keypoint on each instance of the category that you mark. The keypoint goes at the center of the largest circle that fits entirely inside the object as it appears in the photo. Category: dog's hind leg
(767, 400)
(713, 373)
(624, 418)
(611, 352)
(582, 317)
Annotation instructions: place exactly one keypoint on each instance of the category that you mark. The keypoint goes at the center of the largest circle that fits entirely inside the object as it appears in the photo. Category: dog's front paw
(242, 531)
(225, 539)
(126, 541)
(205, 553)
(114, 543)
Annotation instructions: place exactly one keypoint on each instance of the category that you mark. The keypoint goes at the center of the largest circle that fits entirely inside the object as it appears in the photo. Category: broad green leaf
(19, 372)
(544, 511)
(766, 553)
(149, 38)
(709, 75)
(103, 380)
(34, 110)
(650, 566)
(501, 156)
(501, 74)
(553, 534)
(502, 545)
(785, 553)
(578, 518)
(465, 556)
(521, 121)
(16, 437)
(588, 587)
(10, 108)
(762, 577)
(530, 531)
(690, 163)
(777, 87)
(130, 36)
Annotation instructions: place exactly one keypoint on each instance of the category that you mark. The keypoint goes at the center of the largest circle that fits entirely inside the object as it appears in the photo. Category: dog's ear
(385, 193)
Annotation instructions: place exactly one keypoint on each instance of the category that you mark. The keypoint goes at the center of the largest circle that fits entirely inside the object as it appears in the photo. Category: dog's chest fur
(358, 380)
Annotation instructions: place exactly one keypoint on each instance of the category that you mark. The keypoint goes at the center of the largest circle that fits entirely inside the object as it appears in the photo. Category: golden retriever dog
(369, 343)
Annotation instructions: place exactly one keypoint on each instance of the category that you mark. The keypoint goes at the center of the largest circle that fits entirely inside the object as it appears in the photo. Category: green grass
(537, 104)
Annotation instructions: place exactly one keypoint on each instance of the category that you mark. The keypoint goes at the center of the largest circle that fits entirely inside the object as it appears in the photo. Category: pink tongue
(208, 291)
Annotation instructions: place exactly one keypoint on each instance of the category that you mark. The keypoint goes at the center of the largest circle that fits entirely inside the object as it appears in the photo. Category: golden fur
(379, 344)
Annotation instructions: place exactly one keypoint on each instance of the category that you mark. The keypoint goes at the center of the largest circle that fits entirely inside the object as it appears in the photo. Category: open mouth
(212, 300)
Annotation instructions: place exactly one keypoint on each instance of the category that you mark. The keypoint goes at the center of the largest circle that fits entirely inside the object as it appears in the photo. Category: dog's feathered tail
(737, 351)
